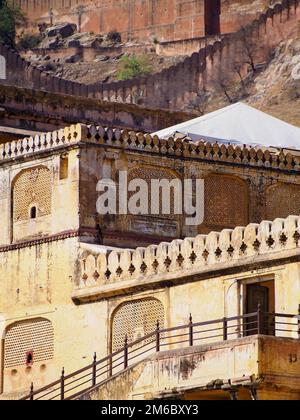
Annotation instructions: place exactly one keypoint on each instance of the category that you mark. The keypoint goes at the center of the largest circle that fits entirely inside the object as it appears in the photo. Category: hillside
(277, 89)
(274, 87)
(86, 57)
(103, 69)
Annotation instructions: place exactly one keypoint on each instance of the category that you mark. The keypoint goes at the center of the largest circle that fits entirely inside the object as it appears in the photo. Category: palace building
(63, 265)
(142, 305)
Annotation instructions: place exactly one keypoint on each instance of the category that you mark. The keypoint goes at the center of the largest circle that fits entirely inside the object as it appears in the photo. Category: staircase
(119, 373)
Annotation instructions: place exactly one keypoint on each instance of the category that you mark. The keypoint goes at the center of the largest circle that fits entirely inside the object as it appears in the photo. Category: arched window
(136, 319)
(33, 213)
(2, 68)
(27, 342)
(32, 194)
(152, 173)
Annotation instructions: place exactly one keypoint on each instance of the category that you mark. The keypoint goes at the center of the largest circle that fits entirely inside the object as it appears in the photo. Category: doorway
(263, 294)
(212, 13)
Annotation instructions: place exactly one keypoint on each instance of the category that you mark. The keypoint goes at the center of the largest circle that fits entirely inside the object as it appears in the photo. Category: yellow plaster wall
(37, 282)
(65, 199)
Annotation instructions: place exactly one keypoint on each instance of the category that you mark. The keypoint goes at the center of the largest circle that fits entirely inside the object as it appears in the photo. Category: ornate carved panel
(148, 173)
(226, 201)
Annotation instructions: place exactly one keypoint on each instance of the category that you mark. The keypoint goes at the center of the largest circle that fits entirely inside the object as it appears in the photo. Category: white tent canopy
(238, 123)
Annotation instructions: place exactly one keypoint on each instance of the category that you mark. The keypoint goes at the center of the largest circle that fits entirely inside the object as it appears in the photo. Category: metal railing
(68, 387)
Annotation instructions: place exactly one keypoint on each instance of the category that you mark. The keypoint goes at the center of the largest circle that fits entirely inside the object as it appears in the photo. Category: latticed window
(136, 319)
(32, 189)
(282, 200)
(148, 174)
(226, 201)
(32, 338)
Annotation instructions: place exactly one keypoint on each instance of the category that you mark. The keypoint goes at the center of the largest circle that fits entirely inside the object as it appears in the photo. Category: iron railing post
(157, 337)
(94, 369)
(272, 330)
(31, 392)
(110, 366)
(259, 320)
(126, 353)
(62, 384)
(225, 331)
(191, 331)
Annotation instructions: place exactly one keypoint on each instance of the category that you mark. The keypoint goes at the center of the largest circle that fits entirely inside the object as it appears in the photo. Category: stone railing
(202, 150)
(271, 158)
(191, 254)
(40, 143)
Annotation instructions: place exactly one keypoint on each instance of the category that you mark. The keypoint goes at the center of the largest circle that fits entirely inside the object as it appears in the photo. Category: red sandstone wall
(143, 19)
(179, 85)
(185, 46)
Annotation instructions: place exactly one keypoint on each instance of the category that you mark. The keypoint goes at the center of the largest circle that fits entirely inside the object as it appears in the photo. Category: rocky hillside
(277, 89)
(103, 69)
(273, 87)
(86, 57)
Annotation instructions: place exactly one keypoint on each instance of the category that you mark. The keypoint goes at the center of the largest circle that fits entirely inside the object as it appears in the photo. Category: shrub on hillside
(130, 67)
(29, 42)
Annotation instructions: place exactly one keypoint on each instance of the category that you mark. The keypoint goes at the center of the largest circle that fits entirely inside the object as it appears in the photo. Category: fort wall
(140, 19)
(22, 109)
(182, 84)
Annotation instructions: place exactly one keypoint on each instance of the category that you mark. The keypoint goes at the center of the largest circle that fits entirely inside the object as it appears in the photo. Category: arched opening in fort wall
(212, 13)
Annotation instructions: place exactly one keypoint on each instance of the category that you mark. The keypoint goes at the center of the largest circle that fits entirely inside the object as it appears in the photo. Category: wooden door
(256, 295)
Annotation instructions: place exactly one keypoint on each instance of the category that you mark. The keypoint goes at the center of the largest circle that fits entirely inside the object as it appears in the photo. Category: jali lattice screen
(136, 319)
(32, 187)
(226, 201)
(22, 337)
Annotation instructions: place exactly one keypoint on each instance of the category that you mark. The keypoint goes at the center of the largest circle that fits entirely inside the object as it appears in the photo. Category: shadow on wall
(2, 68)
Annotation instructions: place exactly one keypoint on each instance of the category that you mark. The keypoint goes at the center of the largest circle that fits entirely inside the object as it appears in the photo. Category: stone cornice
(42, 240)
(40, 144)
(156, 282)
